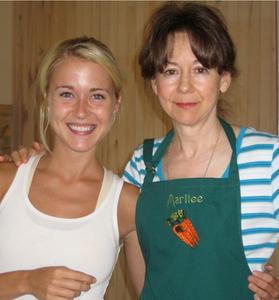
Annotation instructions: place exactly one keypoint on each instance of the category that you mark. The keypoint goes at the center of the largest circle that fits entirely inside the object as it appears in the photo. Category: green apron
(213, 267)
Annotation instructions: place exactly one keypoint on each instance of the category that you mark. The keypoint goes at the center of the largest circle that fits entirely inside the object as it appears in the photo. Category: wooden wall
(39, 24)
(6, 53)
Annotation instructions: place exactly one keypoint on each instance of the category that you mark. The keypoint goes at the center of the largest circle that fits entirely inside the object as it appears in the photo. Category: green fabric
(216, 269)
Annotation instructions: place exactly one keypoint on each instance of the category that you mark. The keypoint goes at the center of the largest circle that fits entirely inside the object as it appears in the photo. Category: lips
(186, 105)
(81, 129)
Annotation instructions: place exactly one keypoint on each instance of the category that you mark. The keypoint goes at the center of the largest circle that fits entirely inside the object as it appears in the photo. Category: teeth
(82, 128)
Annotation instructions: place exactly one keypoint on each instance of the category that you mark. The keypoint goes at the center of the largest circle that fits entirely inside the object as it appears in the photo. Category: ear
(154, 86)
(47, 100)
(225, 82)
(117, 104)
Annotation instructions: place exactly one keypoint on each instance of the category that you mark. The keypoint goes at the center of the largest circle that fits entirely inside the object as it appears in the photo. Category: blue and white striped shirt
(258, 163)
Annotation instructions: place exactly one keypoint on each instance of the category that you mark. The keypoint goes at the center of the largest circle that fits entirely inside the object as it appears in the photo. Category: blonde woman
(63, 216)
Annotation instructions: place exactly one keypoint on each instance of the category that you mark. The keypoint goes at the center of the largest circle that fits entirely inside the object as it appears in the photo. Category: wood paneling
(37, 25)
(6, 112)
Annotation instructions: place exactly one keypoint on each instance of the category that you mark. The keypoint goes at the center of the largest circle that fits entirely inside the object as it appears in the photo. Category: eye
(66, 95)
(97, 97)
(170, 72)
(201, 70)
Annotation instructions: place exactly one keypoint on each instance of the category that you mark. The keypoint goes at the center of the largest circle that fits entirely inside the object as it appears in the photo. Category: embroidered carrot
(183, 228)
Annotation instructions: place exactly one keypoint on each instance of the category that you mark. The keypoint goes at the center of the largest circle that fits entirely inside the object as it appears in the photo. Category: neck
(72, 165)
(193, 140)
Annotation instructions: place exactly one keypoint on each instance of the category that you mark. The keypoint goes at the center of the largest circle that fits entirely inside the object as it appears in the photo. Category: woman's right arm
(45, 283)
(13, 284)
(7, 174)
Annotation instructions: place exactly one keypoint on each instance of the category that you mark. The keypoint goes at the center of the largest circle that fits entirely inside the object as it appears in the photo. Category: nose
(81, 108)
(185, 83)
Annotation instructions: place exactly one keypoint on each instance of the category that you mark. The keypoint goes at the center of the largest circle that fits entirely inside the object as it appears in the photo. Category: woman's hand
(58, 283)
(264, 284)
(23, 154)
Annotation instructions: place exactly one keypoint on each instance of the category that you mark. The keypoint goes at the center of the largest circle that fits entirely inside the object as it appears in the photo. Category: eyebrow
(64, 86)
(175, 63)
(99, 89)
(70, 87)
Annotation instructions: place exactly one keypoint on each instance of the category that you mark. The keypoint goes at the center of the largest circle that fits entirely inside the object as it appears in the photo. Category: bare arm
(7, 174)
(13, 285)
(45, 283)
(127, 230)
(135, 261)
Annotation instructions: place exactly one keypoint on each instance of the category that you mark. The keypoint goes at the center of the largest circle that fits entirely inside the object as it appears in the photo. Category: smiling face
(187, 91)
(82, 104)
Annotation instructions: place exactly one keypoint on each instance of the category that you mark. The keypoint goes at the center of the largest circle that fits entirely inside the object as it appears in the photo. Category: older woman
(207, 215)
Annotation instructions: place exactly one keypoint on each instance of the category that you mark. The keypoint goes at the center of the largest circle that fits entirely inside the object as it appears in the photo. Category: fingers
(63, 293)
(264, 285)
(23, 154)
(19, 156)
(268, 268)
(5, 158)
(39, 148)
(259, 293)
(58, 282)
(79, 276)
(69, 288)
(74, 281)
(74, 285)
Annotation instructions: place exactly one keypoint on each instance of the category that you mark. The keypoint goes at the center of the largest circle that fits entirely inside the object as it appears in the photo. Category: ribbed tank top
(30, 239)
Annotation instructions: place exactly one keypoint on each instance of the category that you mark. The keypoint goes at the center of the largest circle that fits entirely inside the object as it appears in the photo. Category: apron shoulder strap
(229, 132)
(148, 160)
(233, 173)
(151, 161)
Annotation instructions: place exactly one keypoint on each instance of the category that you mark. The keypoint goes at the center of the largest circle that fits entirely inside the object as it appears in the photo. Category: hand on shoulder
(23, 154)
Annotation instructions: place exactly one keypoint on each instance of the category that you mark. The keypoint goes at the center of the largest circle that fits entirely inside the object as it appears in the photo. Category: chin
(184, 121)
(81, 148)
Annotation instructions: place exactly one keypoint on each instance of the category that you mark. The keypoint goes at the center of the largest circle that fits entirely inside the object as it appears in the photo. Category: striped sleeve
(258, 161)
(134, 171)
(275, 179)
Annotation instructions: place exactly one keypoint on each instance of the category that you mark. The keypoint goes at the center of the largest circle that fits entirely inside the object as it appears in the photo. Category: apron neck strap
(232, 140)
(229, 133)
(151, 161)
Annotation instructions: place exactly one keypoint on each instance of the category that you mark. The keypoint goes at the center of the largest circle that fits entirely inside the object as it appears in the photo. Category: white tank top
(30, 239)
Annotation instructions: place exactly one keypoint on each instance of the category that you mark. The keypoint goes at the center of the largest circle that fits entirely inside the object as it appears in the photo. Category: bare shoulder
(127, 209)
(129, 192)
(7, 174)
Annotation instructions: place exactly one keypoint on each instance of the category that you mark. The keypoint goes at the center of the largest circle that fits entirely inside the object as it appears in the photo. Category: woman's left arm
(264, 284)
(135, 261)
(128, 235)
